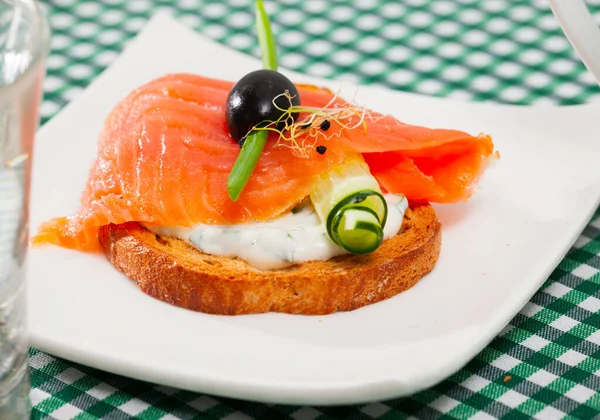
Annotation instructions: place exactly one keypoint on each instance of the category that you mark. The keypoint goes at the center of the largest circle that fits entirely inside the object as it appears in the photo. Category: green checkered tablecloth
(546, 362)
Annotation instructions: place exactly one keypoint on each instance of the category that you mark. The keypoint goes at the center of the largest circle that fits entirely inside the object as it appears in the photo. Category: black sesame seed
(321, 150)
(305, 126)
(325, 125)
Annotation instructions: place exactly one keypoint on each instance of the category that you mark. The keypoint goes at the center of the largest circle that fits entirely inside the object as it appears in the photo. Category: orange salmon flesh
(164, 156)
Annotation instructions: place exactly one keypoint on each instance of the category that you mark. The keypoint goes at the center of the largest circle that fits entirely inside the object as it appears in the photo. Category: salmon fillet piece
(164, 156)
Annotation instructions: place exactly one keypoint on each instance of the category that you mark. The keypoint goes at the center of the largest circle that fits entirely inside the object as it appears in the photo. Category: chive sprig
(255, 141)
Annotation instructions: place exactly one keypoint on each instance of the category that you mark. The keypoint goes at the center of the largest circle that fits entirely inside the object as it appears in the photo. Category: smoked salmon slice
(164, 156)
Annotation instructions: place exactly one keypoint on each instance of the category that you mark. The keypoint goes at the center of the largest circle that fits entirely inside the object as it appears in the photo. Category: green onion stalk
(255, 140)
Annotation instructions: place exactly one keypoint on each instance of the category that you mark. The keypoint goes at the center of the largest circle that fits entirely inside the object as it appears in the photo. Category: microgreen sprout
(302, 134)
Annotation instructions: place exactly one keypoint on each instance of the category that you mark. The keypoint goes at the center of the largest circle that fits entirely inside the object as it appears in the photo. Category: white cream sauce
(293, 238)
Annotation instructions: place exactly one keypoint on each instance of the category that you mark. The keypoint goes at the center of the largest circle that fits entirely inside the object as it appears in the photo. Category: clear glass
(24, 39)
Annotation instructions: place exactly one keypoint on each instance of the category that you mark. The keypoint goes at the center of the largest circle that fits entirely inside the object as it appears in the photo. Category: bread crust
(171, 270)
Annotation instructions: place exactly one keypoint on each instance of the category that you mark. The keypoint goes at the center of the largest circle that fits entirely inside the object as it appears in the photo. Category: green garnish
(302, 134)
(265, 37)
(357, 230)
(255, 141)
(245, 163)
(348, 200)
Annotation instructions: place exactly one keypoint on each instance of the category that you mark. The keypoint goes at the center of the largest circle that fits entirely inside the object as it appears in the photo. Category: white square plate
(497, 250)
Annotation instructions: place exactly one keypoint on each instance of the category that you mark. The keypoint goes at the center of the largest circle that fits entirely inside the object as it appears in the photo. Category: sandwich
(264, 195)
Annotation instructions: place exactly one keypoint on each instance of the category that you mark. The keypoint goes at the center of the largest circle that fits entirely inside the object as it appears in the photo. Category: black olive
(250, 101)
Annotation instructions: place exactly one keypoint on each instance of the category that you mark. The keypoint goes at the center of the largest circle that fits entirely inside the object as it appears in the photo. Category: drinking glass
(582, 31)
(24, 39)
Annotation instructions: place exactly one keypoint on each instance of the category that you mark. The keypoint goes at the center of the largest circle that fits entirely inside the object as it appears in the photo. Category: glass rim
(41, 46)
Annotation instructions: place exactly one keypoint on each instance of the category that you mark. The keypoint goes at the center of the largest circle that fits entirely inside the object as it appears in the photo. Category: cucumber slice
(349, 201)
(357, 230)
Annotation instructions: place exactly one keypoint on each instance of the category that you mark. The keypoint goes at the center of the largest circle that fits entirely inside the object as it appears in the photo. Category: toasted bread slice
(171, 270)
